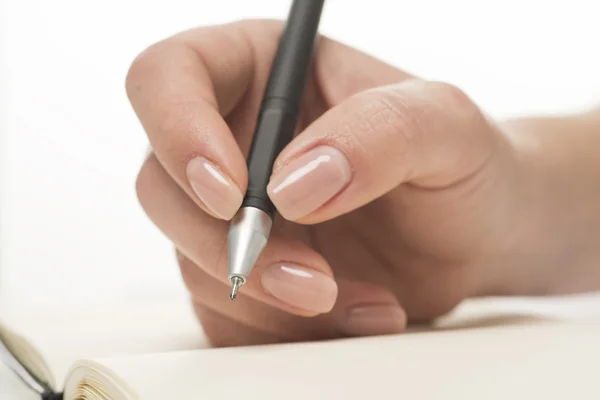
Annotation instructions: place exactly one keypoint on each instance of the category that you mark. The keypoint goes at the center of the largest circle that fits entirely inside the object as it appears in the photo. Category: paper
(539, 361)
(63, 336)
(483, 344)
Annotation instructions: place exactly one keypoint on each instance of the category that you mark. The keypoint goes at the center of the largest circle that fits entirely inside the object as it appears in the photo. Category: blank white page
(521, 361)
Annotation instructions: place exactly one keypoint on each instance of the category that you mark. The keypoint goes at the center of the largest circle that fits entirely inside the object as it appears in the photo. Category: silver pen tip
(236, 283)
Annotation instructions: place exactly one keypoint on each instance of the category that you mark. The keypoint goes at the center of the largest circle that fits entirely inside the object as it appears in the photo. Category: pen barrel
(275, 129)
(279, 110)
(294, 54)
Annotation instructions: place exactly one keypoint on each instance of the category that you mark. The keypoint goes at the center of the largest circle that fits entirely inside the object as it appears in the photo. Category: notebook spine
(51, 395)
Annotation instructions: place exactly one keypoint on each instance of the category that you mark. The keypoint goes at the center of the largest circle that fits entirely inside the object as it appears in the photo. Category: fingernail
(216, 190)
(309, 181)
(300, 287)
(370, 320)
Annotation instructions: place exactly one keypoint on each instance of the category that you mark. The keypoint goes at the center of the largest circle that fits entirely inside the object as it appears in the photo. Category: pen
(276, 123)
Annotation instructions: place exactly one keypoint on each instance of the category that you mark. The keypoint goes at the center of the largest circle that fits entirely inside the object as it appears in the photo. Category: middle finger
(289, 275)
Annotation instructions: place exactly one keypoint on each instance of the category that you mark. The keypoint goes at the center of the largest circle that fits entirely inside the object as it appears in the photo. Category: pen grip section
(274, 130)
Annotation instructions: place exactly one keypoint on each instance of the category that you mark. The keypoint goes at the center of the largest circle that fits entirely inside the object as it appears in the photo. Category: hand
(397, 199)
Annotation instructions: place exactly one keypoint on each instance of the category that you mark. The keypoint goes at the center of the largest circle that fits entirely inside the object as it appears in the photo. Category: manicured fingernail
(309, 181)
(370, 320)
(300, 287)
(216, 190)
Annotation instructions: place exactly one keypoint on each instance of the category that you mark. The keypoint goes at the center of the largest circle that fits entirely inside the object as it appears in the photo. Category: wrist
(554, 248)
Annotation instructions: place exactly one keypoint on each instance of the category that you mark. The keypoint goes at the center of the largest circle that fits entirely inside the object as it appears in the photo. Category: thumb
(427, 133)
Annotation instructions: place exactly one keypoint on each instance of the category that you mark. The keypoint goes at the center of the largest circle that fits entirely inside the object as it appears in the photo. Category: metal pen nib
(247, 237)
(236, 283)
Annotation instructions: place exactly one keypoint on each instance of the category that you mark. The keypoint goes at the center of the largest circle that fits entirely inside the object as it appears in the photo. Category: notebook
(486, 349)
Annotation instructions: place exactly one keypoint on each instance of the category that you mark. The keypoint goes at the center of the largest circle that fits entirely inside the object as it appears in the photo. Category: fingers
(180, 89)
(289, 275)
(197, 94)
(279, 295)
(426, 133)
(361, 310)
(257, 317)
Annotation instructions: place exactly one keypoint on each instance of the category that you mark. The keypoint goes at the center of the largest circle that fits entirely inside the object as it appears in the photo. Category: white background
(71, 228)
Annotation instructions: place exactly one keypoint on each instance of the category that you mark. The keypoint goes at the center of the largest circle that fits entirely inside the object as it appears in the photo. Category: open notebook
(487, 349)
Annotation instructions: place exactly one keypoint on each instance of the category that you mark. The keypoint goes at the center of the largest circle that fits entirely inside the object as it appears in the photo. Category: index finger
(181, 89)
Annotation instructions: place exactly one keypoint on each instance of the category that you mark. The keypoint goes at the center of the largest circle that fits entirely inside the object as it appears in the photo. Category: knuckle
(396, 121)
(401, 116)
(380, 122)
(183, 121)
(453, 104)
(451, 96)
(445, 89)
(143, 65)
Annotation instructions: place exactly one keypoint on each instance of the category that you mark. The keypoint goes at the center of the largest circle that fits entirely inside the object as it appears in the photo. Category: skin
(439, 202)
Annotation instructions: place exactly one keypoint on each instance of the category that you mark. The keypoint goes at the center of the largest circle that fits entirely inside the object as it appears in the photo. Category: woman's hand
(397, 199)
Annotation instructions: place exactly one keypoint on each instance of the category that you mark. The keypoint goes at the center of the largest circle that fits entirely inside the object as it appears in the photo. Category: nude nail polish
(214, 188)
(309, 181)
(300, 287)
(374, 319)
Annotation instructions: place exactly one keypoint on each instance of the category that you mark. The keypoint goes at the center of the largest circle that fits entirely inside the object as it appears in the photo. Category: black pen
(251, 226)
